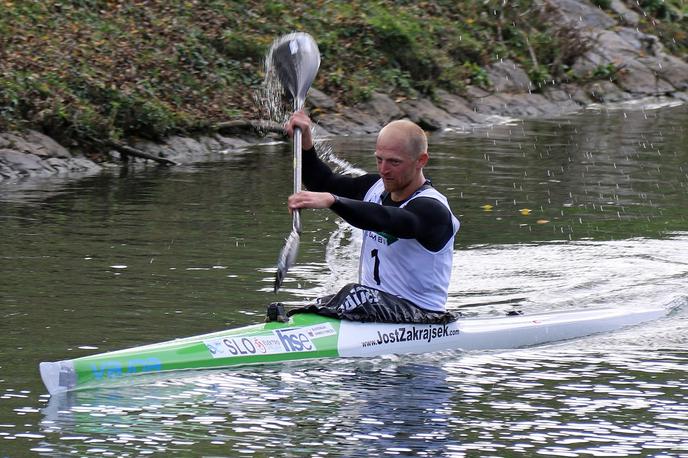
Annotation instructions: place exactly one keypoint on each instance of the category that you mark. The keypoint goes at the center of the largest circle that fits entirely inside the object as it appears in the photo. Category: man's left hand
(308, 199)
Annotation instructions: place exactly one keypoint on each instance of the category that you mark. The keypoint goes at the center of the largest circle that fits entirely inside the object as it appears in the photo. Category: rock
(636, 43)
(637, 58)
(427, 115)
(337, 122)
(581, 15)
(637, 77)
(26, 163)
(475, 92)
(230, 143)
(80, 164)
(6, 172)
(17, 143)
(459, 108)
(46, 146)
(489, 105)
(382, 108)
(575, 93)
(72, 165)
(33, 142)
(516, 105)
(672, 70)
(211, 144)
(320, 100)
(608, 48)
(184, 148)
(364, 122)
(156, 149)
(683, 96)
(57, 164)
(507, 76)
(567, 97)
(582, 96)
(625, 15)
(15, 164)
(606, 92)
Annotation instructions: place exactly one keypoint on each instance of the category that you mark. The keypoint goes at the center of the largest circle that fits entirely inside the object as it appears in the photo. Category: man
(408, 227)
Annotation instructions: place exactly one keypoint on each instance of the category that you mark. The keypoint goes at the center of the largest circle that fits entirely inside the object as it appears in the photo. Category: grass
(114, 69)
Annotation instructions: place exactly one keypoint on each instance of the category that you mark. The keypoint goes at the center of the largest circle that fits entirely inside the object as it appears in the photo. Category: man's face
(396, 167)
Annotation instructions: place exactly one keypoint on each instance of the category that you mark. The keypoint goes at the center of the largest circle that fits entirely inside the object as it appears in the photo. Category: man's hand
(308, 199)
(300, 119)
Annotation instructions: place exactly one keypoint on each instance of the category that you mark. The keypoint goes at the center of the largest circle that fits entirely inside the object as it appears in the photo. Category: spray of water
(270, 96)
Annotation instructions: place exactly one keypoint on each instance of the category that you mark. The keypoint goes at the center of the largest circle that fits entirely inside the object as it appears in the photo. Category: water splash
(271, 97)
(272, 100)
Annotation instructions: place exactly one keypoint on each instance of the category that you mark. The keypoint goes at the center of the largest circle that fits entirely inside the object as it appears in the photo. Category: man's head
(409, 136)
(401, 152)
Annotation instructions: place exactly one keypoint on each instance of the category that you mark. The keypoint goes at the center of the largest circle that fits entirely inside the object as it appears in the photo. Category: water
(575, 212)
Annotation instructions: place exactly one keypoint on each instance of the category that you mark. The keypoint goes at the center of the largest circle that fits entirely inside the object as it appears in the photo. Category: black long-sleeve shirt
(424, 218)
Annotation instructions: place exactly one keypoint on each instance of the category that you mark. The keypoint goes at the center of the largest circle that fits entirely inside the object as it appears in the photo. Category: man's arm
(424, 219)
(318, 177)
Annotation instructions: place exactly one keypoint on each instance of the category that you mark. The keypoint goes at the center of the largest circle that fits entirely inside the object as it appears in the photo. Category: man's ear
(423, 159)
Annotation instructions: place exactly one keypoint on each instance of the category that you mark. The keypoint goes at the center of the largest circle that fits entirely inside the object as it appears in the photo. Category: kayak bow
(308, 336)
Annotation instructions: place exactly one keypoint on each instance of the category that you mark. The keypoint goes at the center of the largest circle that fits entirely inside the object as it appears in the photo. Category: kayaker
(408, 227)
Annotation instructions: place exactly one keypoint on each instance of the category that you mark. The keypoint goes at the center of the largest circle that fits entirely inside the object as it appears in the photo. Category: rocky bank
(637, 63)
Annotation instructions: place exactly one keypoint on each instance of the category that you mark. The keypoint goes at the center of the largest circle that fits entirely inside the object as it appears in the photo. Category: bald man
(408, 227)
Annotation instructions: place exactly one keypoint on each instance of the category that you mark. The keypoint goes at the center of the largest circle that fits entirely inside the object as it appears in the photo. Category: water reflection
(382, 405)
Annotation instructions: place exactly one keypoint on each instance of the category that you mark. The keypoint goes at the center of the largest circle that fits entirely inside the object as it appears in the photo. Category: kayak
(310, 336)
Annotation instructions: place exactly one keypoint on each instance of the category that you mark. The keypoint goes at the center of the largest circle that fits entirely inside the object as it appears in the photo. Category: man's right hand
(301, 120)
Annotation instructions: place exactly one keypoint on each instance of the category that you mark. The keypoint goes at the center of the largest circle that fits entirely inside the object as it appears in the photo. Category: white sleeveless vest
(403, 267)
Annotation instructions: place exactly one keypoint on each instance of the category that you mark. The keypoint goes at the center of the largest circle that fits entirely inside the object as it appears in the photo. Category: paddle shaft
(296, 59)
(298, 162)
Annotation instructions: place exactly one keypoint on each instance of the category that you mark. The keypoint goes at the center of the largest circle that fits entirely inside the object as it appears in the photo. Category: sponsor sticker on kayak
(286, 340)
(359, 339)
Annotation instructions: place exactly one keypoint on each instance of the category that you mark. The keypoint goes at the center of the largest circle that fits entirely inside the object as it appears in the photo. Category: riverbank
(575, 53)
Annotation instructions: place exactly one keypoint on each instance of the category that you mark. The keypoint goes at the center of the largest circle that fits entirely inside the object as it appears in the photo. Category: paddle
(296, 59)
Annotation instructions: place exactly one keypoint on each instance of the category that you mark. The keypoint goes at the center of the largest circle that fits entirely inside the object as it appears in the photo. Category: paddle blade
(296, 59)
(287, 257)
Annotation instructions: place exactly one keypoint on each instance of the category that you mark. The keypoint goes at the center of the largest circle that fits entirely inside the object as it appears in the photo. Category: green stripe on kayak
(306, 337)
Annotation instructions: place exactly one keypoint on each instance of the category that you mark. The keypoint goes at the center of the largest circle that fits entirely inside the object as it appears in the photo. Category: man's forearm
(318, 177)
(374, 217)
(316, 174)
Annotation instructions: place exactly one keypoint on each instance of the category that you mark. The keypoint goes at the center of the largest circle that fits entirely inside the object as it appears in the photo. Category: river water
(579, 211)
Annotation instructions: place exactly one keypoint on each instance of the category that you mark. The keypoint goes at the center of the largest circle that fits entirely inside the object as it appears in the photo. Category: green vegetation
(605, 71)
(111, 69)
(668, 19)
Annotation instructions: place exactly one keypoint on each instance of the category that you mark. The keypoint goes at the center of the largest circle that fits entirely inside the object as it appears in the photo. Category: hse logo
(115, 368)
(294, 339)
